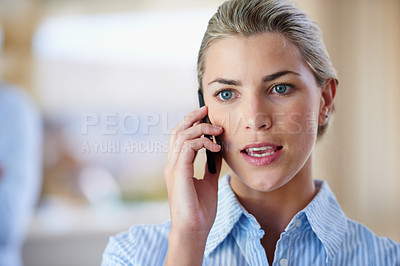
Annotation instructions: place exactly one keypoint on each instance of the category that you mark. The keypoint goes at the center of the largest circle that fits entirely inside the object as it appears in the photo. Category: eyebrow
(274, 76)
(267, 78)
(226, 82)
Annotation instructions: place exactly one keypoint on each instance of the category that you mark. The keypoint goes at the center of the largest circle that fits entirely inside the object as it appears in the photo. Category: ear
(328, 92)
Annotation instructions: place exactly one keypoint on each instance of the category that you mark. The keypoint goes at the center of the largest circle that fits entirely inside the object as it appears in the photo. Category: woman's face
(267, 100)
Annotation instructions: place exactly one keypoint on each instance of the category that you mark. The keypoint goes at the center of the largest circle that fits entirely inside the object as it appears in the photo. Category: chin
(263, 181)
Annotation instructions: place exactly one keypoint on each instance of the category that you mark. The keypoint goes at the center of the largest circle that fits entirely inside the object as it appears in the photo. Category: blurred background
(111, 78)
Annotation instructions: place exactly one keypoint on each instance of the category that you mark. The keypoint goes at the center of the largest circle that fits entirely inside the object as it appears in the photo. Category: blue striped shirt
(320, 234)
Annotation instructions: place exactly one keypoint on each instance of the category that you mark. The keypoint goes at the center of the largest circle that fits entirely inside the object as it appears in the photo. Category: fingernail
(218, 127)
(202, 107)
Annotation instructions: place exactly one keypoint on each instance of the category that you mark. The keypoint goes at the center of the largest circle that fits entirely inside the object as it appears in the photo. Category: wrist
(186, 249)
(192, 239)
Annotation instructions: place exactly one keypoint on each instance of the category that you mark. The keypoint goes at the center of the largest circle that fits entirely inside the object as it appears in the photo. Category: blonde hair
(251, 17)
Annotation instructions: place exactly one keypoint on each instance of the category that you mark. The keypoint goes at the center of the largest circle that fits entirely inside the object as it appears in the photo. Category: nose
(257, 114)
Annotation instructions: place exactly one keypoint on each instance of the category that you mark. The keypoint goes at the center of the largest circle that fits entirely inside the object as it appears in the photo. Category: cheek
(296, 123)
(300, 117)
(302, 131)
(230, 122)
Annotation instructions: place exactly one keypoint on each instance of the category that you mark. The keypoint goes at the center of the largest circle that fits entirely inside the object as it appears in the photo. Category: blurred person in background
(20, 169)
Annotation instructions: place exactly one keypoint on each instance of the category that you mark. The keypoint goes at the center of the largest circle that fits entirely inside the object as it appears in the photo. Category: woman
(269, 86)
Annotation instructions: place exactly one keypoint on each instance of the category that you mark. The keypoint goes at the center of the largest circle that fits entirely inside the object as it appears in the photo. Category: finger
(209, 184)
(210, 181)
(172, 139)
(198, 130)
(188, 121)
(191, 118)
(189, 149)
(192, 133)
(187, 155)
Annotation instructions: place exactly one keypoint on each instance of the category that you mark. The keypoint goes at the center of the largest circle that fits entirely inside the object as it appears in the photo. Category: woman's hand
(193, 202)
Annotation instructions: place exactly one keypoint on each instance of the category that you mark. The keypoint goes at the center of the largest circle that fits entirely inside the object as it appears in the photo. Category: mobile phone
(211, 164)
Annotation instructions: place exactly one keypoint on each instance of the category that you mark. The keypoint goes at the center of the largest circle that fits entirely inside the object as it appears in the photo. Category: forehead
(257, 54)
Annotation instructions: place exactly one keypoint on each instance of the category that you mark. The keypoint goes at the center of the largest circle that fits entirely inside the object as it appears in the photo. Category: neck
(275, 209)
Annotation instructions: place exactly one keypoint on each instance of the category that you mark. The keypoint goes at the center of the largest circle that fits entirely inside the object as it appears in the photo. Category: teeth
(262, 154)
(270, 150)
(259, 149)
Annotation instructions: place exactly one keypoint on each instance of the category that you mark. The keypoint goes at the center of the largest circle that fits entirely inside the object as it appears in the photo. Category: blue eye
(225, 95)
(281, 88)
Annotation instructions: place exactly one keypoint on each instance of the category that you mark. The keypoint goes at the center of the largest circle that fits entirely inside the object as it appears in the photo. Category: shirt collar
(323, 213)
(229, 212)
(327, 219)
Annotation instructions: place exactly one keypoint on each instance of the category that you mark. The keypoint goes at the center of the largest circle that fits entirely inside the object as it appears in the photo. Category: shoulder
(12, 97)
(141, 245)
(348, 242)
(18, 111)
(360, 241)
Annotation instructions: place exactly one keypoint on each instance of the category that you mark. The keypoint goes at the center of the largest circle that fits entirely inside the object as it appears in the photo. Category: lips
(260, 154)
